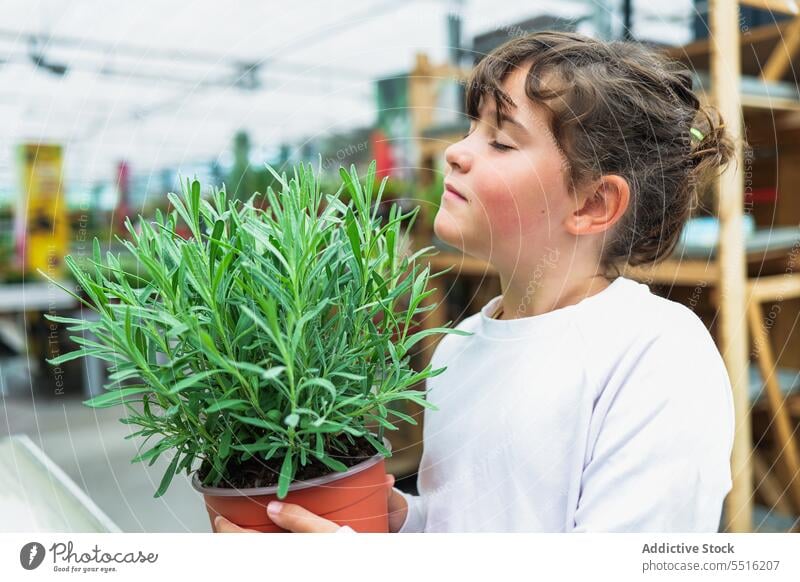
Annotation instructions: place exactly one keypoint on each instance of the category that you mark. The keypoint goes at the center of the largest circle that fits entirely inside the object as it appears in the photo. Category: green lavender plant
(277, 334)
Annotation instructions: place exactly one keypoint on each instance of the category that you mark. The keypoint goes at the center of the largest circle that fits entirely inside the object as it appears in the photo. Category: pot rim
(295, 486)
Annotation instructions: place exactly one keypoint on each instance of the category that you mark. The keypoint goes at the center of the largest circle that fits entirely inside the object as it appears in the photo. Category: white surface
(37, 496)
(90, 446)
(38, 296)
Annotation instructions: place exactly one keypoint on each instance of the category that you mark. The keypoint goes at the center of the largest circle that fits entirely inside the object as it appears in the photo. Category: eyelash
(500, 147)
(495, 144)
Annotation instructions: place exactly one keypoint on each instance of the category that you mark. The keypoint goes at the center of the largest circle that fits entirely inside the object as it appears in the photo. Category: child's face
(513, 179)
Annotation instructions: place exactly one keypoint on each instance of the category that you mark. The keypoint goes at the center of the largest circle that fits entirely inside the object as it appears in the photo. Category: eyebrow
(505, 118)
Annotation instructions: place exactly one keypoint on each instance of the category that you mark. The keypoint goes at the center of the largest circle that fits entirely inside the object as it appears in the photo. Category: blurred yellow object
(42, 225)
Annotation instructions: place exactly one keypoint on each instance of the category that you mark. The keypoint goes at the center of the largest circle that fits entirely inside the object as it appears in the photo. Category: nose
(458, 156)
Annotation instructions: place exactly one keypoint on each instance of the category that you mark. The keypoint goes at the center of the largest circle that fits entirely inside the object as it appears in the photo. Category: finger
(222, 525)
(298, 519)
(389, 485)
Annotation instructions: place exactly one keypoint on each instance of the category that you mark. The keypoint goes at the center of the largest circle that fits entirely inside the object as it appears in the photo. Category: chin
(447, 230)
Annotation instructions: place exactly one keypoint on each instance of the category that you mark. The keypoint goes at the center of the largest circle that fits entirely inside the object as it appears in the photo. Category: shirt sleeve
(661, 459)
(417, 511)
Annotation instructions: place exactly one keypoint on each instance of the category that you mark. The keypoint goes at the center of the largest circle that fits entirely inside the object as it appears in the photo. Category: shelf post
(734, 341)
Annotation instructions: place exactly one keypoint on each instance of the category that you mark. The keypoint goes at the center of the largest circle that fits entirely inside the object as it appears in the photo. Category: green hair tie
(697, 134)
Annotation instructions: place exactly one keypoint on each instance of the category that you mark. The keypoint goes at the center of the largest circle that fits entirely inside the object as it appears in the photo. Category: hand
(289, 516)
(297, 519)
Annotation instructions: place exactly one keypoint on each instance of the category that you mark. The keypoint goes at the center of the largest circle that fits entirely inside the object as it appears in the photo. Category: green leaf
(322, 383)
(213, 247)
(229, 404)
(333, 463)
(383, 422)
(68, 357)
(225, 443)
(179, 207)
(67, 320)
(286, 476)
(403, 416)
(168, 475)
(412, 340)
(348, 376)
(370, 181)
(196, 202)
(154, 452)
(378, 445)
(265, 374)
(253, 448)
(351, 226)
(260, 422)
(114, 397)
(96, 251)
(193, 381)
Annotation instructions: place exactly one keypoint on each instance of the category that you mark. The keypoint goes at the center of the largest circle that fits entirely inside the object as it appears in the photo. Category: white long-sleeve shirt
(612, 414)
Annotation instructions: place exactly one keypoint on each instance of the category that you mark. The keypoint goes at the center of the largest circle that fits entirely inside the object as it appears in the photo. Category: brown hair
(617, 108)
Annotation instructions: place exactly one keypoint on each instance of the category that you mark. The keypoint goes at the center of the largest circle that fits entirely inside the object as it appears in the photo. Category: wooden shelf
(756, 46)
(675, 272)
(758, 103)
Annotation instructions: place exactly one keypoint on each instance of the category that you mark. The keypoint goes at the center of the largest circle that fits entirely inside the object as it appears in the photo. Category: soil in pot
(356, 497)
(255, 472)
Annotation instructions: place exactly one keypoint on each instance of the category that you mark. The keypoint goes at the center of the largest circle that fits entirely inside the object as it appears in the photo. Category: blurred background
(105, 105)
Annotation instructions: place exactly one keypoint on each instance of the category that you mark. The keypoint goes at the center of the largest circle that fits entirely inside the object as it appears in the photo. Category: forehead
(514, 83)
(529, 113)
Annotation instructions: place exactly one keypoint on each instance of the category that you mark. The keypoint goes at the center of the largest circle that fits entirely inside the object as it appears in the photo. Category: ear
(601, 207)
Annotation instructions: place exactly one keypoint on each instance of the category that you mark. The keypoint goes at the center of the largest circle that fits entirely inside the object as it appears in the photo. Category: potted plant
(268, 352)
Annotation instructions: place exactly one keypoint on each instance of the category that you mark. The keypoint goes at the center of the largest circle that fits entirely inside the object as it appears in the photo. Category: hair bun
(715, 148)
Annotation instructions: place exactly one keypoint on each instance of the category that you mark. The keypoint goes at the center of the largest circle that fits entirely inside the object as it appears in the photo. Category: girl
(581, 401)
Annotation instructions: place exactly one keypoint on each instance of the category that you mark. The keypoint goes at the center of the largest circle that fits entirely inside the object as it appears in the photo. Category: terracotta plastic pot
(356, 497)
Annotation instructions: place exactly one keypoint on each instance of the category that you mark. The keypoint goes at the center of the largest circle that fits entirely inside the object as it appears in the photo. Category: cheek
(521, 204)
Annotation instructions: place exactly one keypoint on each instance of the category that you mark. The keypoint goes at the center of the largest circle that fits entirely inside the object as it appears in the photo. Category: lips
(450, 188)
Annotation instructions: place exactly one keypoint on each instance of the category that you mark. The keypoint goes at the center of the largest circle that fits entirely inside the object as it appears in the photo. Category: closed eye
(499, 146)
(494, 143)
